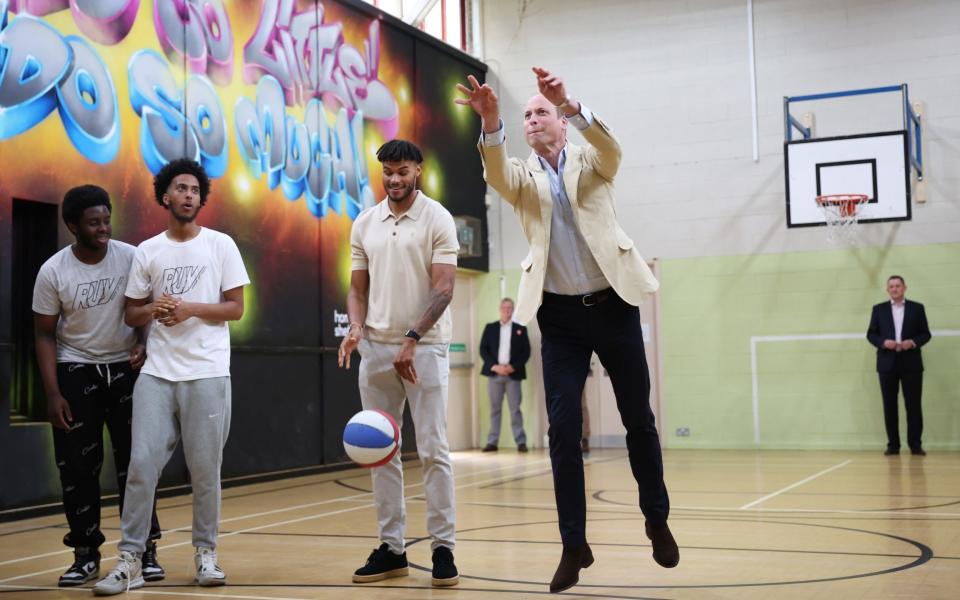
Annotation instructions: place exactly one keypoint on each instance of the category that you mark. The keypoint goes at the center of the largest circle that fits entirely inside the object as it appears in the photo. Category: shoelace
(124, 566)
(208, 561)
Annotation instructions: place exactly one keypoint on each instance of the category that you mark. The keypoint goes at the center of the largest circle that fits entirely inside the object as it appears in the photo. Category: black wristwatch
(412, 334)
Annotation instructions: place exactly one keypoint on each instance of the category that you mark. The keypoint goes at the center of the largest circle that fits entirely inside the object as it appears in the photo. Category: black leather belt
(591, 299)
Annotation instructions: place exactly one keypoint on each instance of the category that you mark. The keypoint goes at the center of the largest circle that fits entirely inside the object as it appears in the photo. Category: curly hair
(80, 198)
(180, 166)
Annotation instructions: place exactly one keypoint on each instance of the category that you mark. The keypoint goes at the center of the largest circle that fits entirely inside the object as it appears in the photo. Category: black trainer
(85, 567)
(152, 571)
(444, 571)
(382, 564)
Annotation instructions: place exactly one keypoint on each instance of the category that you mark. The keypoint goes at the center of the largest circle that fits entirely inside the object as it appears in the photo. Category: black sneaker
(382, 564)
(85, 567)
(444, 571)
(152, 571)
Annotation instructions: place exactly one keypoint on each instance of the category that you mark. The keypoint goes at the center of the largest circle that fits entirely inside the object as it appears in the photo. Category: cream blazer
(588, 178)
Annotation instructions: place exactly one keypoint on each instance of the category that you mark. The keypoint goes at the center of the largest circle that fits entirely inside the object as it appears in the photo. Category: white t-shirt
(89, 300)
(199, 270)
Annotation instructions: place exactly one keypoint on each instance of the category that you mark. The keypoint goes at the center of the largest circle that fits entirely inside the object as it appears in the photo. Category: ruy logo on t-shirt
(180, 280)
(95, 293)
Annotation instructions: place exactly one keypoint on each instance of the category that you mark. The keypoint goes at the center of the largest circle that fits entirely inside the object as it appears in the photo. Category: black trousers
(912, 383)
(98, 395)
(571, 332)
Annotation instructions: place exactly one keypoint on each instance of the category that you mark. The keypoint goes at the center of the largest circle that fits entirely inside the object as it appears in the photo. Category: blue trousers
(571, 332)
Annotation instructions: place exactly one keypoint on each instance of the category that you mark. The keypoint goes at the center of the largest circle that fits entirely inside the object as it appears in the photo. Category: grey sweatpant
(382, 388)
(196, 412)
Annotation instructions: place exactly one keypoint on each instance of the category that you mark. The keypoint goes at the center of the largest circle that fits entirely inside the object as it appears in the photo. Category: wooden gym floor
(751, 525)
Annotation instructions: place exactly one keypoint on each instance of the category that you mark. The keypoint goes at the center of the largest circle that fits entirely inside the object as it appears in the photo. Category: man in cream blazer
(583, 279)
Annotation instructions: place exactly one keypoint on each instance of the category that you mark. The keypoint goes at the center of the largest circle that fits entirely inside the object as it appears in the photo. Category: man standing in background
(505, 349)
(898, 329)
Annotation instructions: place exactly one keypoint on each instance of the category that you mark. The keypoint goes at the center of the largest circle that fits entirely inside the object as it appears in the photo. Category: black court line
(547, 471)
(926, 554)
(351, 487)
(364, 586)
(753, 516)
(598, 496)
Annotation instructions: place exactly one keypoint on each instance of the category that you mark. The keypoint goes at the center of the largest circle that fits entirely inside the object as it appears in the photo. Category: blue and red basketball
(371, 438)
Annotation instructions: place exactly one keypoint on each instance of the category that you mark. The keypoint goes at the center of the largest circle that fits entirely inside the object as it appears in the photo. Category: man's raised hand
(483, 100)
(551, 86)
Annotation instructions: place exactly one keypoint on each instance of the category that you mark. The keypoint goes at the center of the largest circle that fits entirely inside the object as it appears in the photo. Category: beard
(406, 190)
(185, 218)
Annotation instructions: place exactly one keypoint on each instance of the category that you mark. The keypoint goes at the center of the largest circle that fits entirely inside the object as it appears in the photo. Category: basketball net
(841, 212)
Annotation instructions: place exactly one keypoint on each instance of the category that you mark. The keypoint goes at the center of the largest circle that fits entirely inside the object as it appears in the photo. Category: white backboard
(873, 164)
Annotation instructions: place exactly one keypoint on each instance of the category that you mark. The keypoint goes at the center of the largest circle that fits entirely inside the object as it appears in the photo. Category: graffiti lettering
(41, 70)
(200, 31)
(284, 46)
(104, 21)
(164, 116)
(310, 157)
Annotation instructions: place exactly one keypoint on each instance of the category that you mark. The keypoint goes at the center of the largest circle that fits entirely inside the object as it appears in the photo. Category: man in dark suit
(505, 348)
(898, 329)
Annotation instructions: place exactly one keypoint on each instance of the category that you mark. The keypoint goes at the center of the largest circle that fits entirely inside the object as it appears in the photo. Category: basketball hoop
(841, 212)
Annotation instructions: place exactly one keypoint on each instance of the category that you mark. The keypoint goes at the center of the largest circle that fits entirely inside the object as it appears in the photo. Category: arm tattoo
(439, 299)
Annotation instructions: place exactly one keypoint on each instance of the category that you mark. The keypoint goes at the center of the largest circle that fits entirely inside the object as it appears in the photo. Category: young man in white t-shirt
(404, 253)
(89, 360)
(189, 279)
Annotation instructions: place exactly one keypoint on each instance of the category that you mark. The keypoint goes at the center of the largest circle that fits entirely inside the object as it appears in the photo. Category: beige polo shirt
(398, 253)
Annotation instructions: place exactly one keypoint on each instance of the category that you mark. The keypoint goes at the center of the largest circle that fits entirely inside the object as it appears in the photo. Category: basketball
(371, 438)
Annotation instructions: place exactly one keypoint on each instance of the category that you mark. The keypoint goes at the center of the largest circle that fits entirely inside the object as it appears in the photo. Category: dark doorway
(34, 241)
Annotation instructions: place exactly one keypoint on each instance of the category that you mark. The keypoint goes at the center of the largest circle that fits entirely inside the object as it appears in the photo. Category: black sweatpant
(98, 395)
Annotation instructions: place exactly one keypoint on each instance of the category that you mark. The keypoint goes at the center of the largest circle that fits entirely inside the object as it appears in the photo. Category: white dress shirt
(503, 355)
(898, 318)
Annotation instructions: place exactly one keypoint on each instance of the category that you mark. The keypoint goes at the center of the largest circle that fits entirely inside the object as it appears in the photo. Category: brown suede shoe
(568, 571)
(665, 550)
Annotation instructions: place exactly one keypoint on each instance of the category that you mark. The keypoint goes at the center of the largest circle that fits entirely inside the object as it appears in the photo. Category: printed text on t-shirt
(95, 293)
(180, 280)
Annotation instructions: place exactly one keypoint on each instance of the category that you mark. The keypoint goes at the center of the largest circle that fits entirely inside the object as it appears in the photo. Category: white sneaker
(208, 572)
(123, 577)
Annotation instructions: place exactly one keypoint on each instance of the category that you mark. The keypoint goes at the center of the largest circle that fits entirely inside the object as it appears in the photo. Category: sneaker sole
(211, 582)
(154, 577)
(401, 572)
(77, 582)
(134, 585)
(445, 582)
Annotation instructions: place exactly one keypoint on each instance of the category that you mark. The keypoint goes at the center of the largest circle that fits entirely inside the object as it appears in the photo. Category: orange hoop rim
(840, 199)
(846, 204)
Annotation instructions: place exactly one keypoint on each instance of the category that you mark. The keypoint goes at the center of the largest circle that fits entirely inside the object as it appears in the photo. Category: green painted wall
(811, 394)
(487, 302)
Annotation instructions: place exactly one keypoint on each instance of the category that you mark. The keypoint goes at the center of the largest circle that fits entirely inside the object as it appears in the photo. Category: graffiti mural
(284, 102)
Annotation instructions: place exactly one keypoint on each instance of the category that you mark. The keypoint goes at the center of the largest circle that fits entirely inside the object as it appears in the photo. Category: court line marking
(350, 498)
(729, 509)
(795, 485)
(538, 469)
(153, 592)
(754, 340)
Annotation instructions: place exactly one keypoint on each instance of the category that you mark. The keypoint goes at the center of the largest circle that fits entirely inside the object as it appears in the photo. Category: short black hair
(180, 166)
(896, 277)
(399, 151)
(80, 198)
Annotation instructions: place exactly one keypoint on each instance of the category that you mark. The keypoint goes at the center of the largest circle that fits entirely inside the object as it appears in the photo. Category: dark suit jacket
(519, 349)
(914, 328)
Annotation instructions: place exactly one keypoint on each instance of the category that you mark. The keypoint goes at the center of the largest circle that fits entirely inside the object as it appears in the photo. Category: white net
(841, 213)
